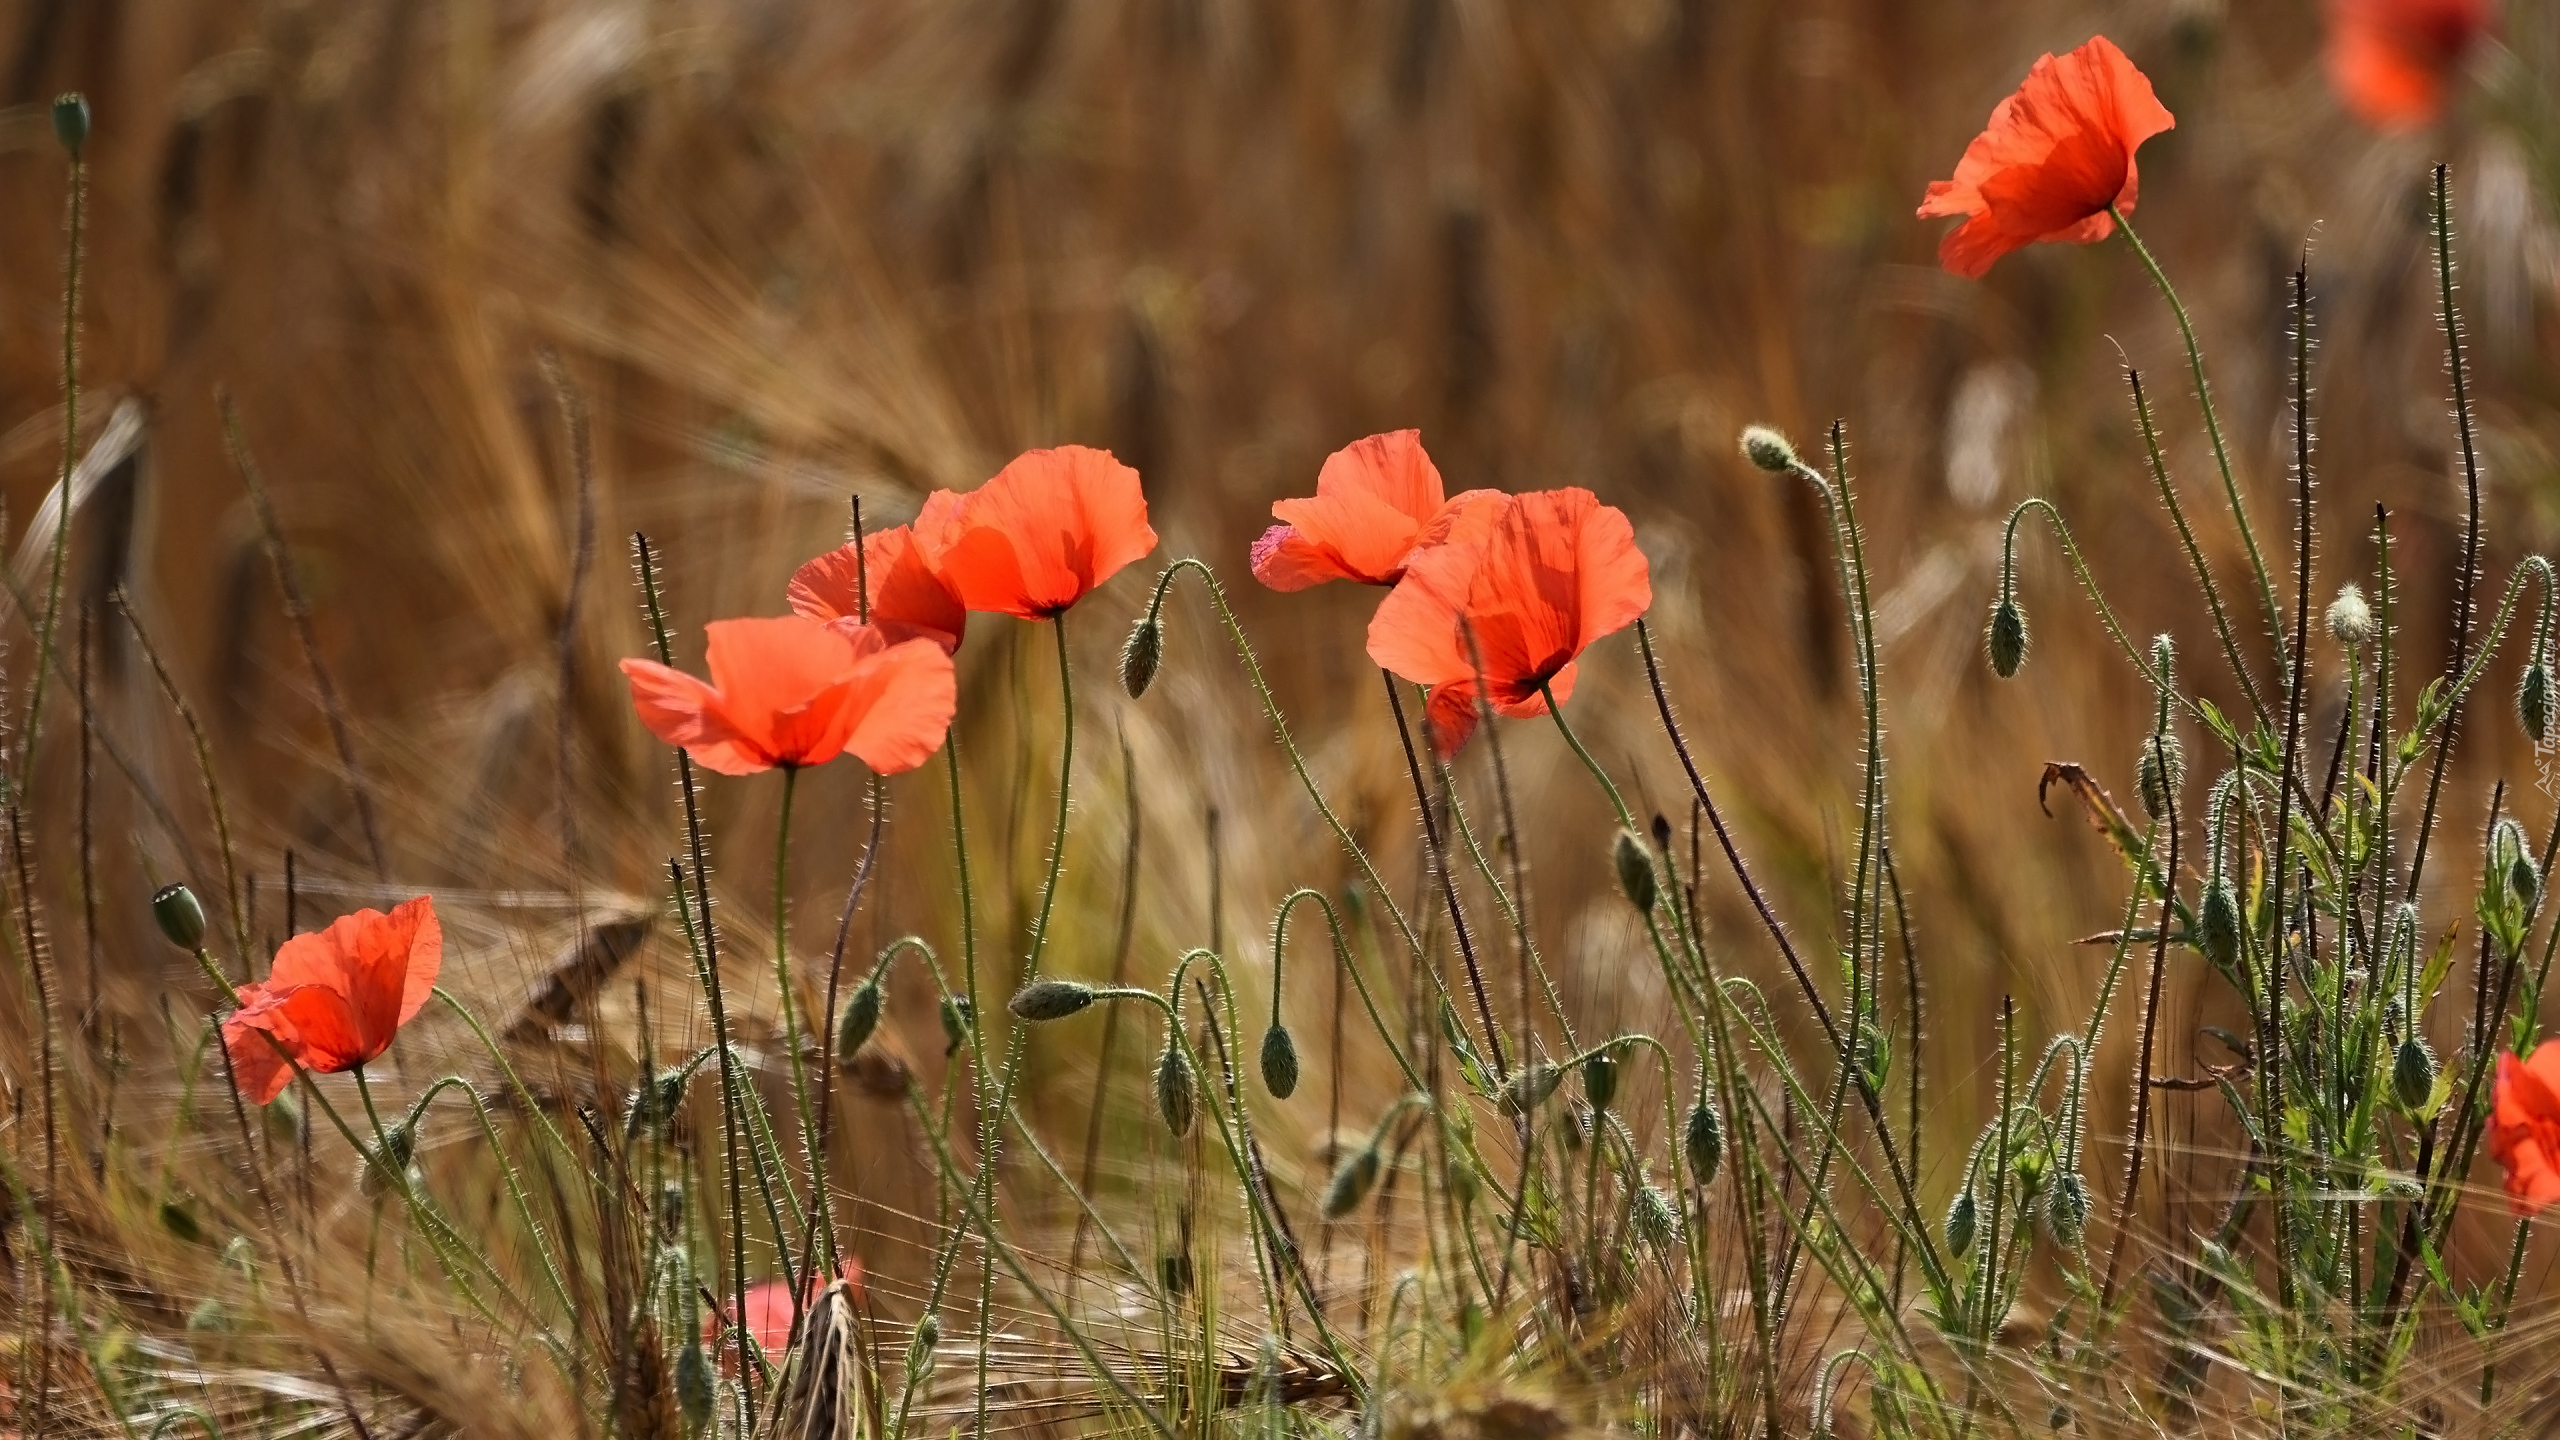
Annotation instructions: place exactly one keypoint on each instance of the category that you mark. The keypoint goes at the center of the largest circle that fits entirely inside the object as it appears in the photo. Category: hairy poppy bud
(1050, 999)
(928, 1333)
(1655, 1222)
(861, 1017)
(1704, 1141)
(1174, 1099)
(1139, 657)
(2066, 1210)
(2218, 924)
(1960, 1224)
(956, 1018)
(2006, 639)
(1279, 1062)
(1462, 1182)
(2511, 858)
(1529, 1087)
(387, 1164)
(695, 1389)
(1600, 1081)
(653, 1104)
(1768, 449)
(1635, 870)
(71, 121)
(2162, 771)
(1350, 1183)
(2350, 618)
(180, 915)
(2533, 702)
(2413, 1073)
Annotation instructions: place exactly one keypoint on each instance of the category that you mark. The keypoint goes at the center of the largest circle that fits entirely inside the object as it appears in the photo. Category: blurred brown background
(795, 250)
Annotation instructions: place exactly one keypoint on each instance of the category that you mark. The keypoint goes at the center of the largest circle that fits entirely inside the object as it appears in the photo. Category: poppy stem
(2213, 431)
(791, 1020)
(77, 207)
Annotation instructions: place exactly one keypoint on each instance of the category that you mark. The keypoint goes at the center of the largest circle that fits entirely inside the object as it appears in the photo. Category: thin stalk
(77, 209)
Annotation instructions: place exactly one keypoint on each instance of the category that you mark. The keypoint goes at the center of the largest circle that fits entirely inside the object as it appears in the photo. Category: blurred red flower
(1039, 536)
(2524, 1127)
(1549, 573)
(334, 998)
(2053, 157)
(908, 599)
(1377, 501)
(768, 1312)
(2391, 61)
(793, 691)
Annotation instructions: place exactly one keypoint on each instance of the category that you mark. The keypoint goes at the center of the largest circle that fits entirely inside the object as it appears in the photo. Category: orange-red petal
(900, 701)
(907, 597)
(1039, 536)
(2392, 62)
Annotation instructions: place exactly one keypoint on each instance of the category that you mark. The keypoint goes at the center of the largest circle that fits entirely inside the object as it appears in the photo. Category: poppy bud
(2006, 640)
(1462, 1182)
(1600, 1081)
(956, 1017)
(1140, 656)
(1529, 1087)
(861, 1017)
(1174, 1098)
(71, 121)
(694, 1388)
(2350, 618)
(1768, 449)
(180, 915)
(1279, 1062)
(2030, 1170)
(1350, 1183)
(1960, 1224)
(1654, 1219)
(2218, 924)
(2511, 861)
(928, 1333)
(2413, 1073)
(1635, 870)
(653, 1104)
(2533, 702)
(2066, 1211)
(2162, 770)
(1704, 1142)
(1050, 1000)
(387, 1164)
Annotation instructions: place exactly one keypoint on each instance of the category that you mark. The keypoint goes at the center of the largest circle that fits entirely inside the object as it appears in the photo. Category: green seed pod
(1654, 1219)
(180, 915)
(1768, 449)
(2533, 702)
(1960, 1224)
(2218, 924)
(2006, 639)
(956, 1018)
(1529, 1087)
(1350, 1183)
(695, 1389)
(1279, 1062)
(1600, 1081)
(1141, 655)
(1044, 1000)
(861, 1017)
(1635, 871)
(2162, 770)
(1704, 1142)
(1174, 1098)
(2066, 1210)
(71, 121)
(2413, 1073)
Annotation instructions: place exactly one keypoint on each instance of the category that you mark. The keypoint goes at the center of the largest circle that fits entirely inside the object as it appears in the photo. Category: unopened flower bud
(1279, 1062)
(928, 1333)
(2413, 1073)
(1140, 656)
(2162, 770)
(2006, 639)
(1174, 1097)
(1635, 870)
(2066, 1210)
(1350, 1183)
(1529, 1087)
(1768, 449)
(956, 1019)
(2218, 924)
(1704, 1142)
(387, 1164)
(71, 121)
(2533, 702)
(1463, 1183)
(1600, 1081)
(1960, 1224)
(861, 1017)
(1050, 999)
(1655, 1221)
(2350, 618)
(180, 915)
(695, 1389)
(2511, 858)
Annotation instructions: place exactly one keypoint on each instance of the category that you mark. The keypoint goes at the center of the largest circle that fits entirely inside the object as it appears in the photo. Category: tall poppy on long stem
(2392, 62)
(791, 691)
(1041, 535)
(334, 998)
(1377, 501)
(1552, 572)
(2054, 160)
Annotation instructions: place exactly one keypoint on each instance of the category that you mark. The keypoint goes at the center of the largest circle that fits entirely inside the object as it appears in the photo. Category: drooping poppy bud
(1176, 1100)
(2005, 640)
(1350, 1183)
(1635, 871)
(861, 1017)
(1279, 1062)
(1043, 1000)
(1141, 655)
(1704, 1141)
(180, 916)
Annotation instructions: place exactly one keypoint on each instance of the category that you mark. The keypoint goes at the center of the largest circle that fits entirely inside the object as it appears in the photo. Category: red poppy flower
(768, 1312)
(908, 600)
(2391, 61)
(334, 997)
(2054, 156)
(1039, 536)
(2524, 1127)
(1550, 573)
(793, 691)
(1377, 501)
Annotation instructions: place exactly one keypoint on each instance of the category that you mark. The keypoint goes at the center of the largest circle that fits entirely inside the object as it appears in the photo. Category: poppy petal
(907, 599)
(903, 699)
(685, 712)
